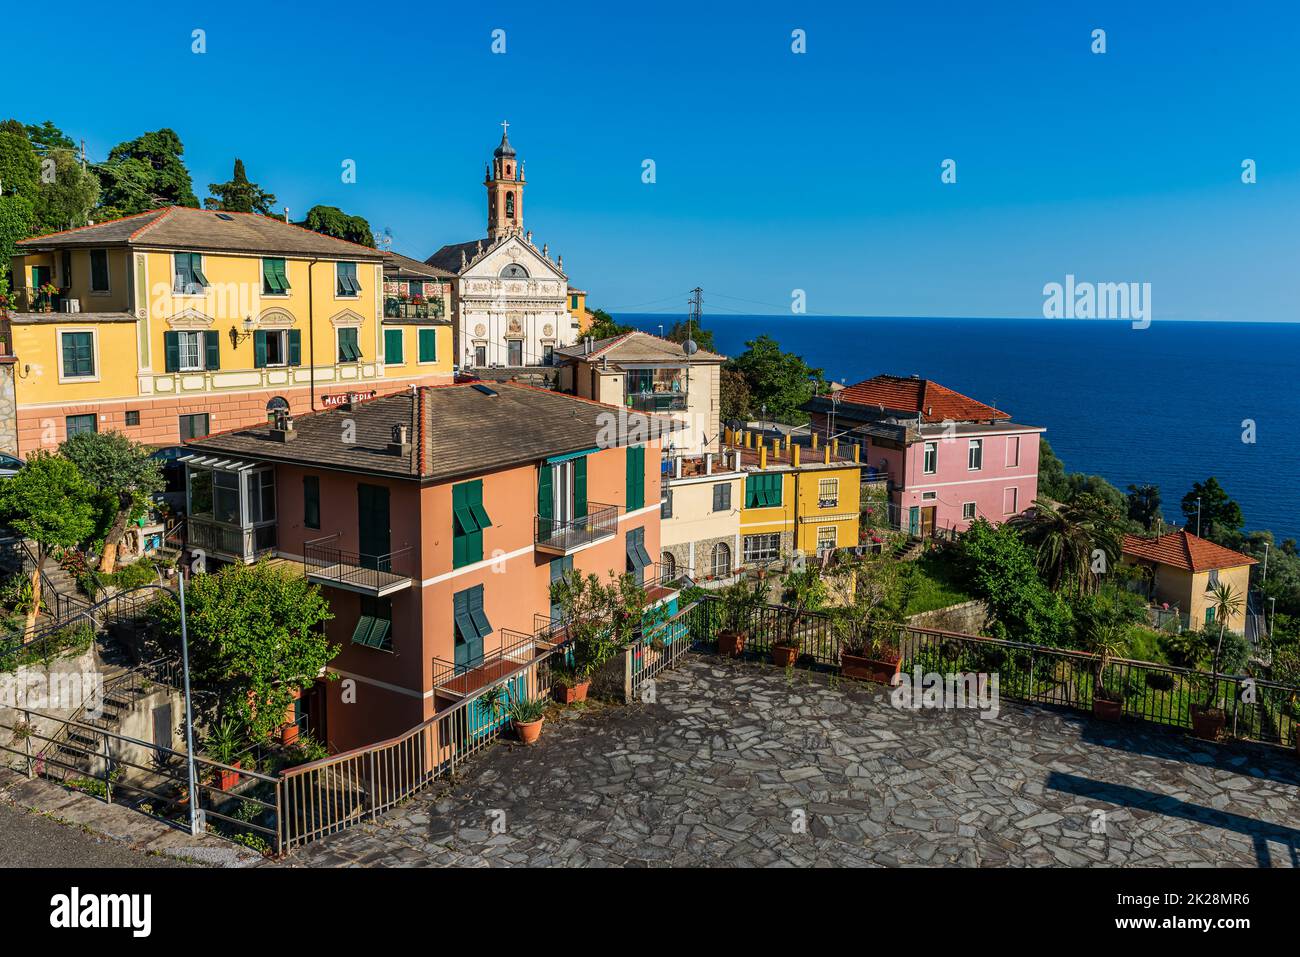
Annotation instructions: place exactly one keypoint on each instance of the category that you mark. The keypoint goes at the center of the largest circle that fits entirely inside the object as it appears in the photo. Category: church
(510, 300)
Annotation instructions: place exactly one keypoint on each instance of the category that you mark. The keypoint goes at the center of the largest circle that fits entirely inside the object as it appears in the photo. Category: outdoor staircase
(74, 748)
(909, 550)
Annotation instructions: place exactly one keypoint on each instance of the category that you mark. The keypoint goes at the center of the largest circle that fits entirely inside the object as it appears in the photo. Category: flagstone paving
(738, 764)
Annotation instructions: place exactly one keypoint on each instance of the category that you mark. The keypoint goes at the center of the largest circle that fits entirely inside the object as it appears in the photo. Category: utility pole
(196, 818)
(1198, 518)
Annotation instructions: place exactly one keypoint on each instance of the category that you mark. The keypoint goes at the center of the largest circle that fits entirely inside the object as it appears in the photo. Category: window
(668, 565)
(968, 511)
(375, 624)
(975, 455)
(428, 339)
(187, 275)
(666, 505)
(1010, 500)
(1213, 580)
(635, 478)
(929, 496)
(99, 270)
(573, 302)
(480, 356)
(826, 537)
(261, 496)
(472, 626)
(762, 548)
(548, 355)
(194, 426)
(349, 349)
(200, 493)
(514, 271)
(225, 497)
(311, 501)
(132, 417)
(345, 276)
(559, 567)
(515, 352)
(1013, 451)
(828, 492)
(722, 497)
(930, 460)
(275, 280)
(67, 269)
(720, 565)
(469, 519)
(393, 347)
(77, 424)
(638, 559)
(1209, 614)
(277, 347)
(763, 490)
(78, 354)
(191, 351)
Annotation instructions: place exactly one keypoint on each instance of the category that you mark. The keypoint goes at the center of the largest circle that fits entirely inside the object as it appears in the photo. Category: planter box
(529, 731)
(226, 780)
(1106, 709)
(1207, 723)
(784, 656)
(879, 670)
(731, 643)
(568, 694)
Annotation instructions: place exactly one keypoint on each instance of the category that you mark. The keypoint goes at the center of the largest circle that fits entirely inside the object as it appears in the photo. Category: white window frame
(834, 536)
(199, 350)
(974, 449)
(930, 454)
(90, 273)
(283, 336)
(749, 558)
(968, 512)
(338, 331)
(425, 362)
(1013, 446)
(828, 493)
(1015, 500)
(94, 351)
(929, 496)
(337, 295)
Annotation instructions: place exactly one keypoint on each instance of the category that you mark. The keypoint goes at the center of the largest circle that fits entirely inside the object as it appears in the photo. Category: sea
(1169, 405)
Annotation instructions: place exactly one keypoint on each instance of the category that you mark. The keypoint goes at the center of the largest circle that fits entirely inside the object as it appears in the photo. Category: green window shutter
(428, 345)
(580, 487)
(69, 355)
(476, 612)
(393, 346)
(635, 477)
(282, 274)
(545, 492)
(171, 351)
(269, 283)
(259, 350)
(99, 270)
(311, 501)
(295, 347)
(469, 520)
(348, 349)
(196, 268)
(211, 351)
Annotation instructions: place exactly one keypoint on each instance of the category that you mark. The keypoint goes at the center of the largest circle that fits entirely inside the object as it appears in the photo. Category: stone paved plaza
(721, 769)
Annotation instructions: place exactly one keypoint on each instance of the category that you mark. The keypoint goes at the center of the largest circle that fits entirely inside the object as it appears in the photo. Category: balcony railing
(657, 401)
(462, 679)
(374, 575)
(240, 542)
(406, 309)
(560, 537)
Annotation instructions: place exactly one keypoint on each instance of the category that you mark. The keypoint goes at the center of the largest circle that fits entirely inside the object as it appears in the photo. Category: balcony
(373, 575)
(562, 537)
(657, 401)
(240, 543)
(409, 309)
(462, 680)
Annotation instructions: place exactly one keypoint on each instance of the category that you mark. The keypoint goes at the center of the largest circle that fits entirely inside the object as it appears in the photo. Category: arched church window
(514, 271)
(510, 205)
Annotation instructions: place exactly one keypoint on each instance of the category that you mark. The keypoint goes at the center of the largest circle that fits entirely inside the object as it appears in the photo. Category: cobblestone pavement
(731, 757)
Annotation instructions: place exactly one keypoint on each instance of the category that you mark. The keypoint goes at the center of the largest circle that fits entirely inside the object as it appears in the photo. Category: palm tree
(1227, 603)
(1066, 538)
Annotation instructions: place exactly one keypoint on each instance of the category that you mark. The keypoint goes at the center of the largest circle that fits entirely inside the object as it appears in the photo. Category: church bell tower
(505, 188)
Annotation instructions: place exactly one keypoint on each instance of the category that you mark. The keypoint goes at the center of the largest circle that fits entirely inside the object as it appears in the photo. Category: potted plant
(527, 715)
(600, 620)
(805, 591)
(224, 743)
(1209, 719)
(872, 653)
(569, 685)
(1106, 642)
(868, 626)
(740, 600)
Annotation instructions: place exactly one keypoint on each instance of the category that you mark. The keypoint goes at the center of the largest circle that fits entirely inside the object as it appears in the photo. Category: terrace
(457, 680)
(374, 575)
(557, 536)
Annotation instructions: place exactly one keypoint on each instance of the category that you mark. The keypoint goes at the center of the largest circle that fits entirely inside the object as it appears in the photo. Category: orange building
(436, 520)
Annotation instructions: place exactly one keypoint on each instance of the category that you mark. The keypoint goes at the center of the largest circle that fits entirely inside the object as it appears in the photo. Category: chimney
(401, 443)
(282, 426)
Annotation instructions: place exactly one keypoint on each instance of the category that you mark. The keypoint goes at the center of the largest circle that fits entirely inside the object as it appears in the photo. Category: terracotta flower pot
(784, 656)
(1107, 709)
(1207, 723)
(529, 731)
(731, 643)
(567, 694)
(227, 780)
(879, 670)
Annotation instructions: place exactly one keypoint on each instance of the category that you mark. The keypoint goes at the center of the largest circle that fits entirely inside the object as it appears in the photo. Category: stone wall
(969, 617)
(8, 407)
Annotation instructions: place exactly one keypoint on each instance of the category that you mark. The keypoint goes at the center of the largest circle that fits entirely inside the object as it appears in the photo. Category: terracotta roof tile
(1184, 550)
(935, 403)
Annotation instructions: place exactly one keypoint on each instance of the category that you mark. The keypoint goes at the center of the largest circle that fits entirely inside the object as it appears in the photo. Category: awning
(571, 455)
(216, 463)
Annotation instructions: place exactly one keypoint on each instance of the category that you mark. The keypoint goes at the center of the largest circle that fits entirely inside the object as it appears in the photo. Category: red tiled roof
(935, 403)
(1184, 550)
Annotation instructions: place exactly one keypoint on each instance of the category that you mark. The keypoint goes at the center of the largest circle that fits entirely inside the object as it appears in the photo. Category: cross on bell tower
(505, 189)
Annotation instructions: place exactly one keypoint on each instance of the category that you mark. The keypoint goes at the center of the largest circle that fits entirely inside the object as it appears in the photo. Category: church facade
(510, 300)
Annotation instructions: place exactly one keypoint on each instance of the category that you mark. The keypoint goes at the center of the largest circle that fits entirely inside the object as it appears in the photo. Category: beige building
(699, 520)
(1183, 571)
(647, 374)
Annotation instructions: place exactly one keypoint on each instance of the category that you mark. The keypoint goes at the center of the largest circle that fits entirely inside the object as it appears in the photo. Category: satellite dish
(689, 347)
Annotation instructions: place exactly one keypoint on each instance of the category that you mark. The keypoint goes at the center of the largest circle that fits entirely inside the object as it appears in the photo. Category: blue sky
(775, 171)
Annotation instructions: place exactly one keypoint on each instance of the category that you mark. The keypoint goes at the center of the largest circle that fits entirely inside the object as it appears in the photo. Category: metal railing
(244, 542)
(466, 677)
(658, 649)
(337, 566)
(601, 521)
(657, 401)
(406, 309)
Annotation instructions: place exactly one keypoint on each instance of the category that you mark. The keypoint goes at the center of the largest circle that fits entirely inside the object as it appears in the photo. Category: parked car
(9, 465)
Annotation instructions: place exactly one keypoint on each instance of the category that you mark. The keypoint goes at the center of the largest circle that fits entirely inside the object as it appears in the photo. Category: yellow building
(179, 322)
(1182, 571)
(796, 498)
(582, 319)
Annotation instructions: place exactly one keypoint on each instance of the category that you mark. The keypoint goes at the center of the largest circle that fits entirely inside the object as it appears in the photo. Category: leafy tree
(255, 638)
(1067, 538)
(239, 195)
(1051, 474)
(47, 136)
(67, 200)
(20, 166)
(781, 381)
(599, 617)
(147, 173)
(1144, 505)
(17, 221)
(604, 326)
(49, 502)
(1227, 603)
(999, 567)
(125, 475)
(1219, 515)
(735, 399)
(682, 330)
(332, 221)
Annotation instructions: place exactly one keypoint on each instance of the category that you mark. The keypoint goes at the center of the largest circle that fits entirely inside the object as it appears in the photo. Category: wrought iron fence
(659, 648)
(601, 521)
(334, 565)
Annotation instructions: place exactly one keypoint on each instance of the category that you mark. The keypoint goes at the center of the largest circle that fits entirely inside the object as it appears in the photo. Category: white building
(509, 299)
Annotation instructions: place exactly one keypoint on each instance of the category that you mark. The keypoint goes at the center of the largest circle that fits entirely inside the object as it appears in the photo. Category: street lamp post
(1198, 518)
(196, 822)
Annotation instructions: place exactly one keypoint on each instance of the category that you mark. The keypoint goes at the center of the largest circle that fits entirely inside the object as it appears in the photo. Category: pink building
(945, 458)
